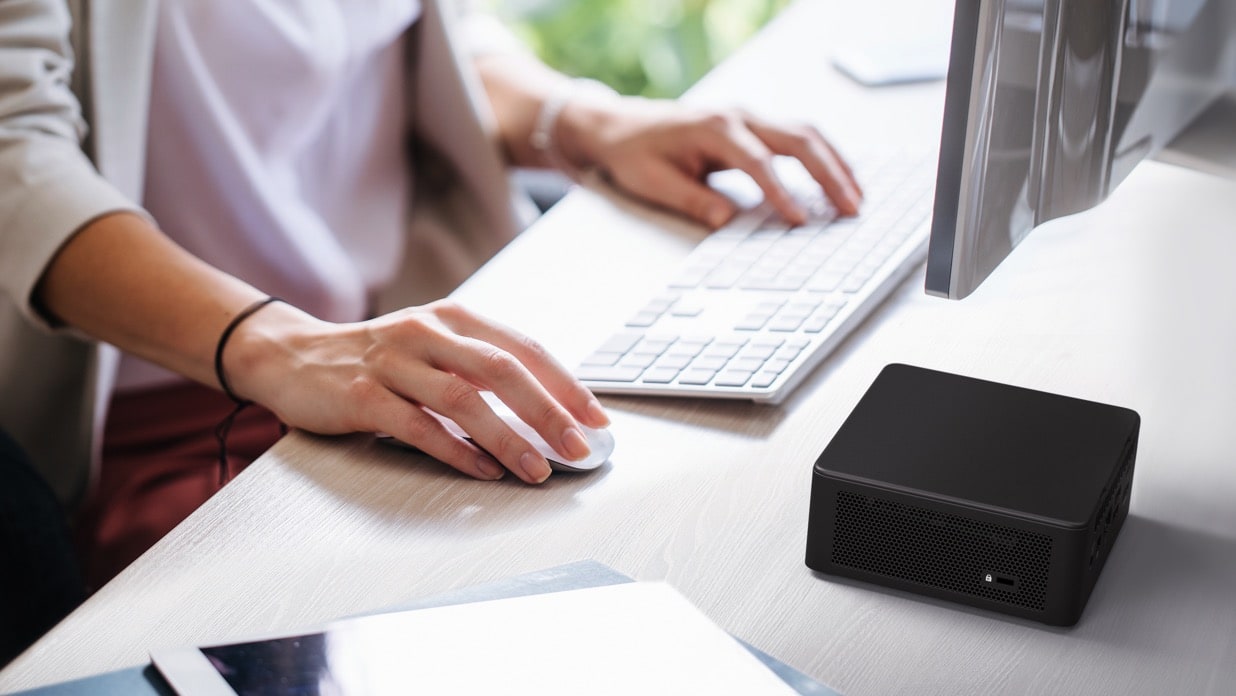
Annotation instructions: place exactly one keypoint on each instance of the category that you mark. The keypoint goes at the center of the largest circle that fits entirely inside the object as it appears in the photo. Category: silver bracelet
(542, 137)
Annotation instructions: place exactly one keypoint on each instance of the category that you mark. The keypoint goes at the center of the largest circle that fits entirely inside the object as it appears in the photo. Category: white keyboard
(758, 304)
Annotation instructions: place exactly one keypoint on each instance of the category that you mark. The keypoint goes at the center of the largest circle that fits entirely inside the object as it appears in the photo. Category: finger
(555, 378)
(389, 413)
(793, 140)
(738, 147)
(820, 159)
(456, 398)
(489, 367)
(671, 188)
(849, 171)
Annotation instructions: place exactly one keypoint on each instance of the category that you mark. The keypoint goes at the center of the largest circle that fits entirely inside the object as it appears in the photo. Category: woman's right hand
(380, 375)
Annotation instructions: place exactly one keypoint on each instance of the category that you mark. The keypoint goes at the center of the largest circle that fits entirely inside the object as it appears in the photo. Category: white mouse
(600, 441)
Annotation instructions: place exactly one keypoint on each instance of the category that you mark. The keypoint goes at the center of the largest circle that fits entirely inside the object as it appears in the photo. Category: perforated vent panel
(940, 550)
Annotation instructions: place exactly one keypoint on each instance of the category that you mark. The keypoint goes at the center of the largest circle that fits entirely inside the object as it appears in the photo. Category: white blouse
(277, 147)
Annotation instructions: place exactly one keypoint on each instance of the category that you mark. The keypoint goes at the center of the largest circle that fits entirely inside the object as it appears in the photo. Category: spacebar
(615, 373)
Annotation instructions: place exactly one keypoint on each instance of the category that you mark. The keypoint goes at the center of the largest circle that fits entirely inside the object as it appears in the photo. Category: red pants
(160, 462)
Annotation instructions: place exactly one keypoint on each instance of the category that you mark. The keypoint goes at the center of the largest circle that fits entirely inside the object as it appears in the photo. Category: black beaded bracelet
(227, 333)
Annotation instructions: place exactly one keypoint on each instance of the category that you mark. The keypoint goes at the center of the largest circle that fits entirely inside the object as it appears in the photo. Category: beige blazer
(56, 175)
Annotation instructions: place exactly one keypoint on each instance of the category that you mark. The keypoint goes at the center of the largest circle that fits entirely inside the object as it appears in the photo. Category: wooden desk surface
(1128, 304)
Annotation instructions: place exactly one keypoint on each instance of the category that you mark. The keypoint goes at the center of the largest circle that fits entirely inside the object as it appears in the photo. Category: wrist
(225, 336)
(261, 348)
(570, 118)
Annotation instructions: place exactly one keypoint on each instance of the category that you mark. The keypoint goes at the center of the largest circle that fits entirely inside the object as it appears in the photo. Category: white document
(632, 638)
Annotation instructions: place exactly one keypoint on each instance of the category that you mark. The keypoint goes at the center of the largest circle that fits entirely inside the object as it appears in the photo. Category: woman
(260, 148)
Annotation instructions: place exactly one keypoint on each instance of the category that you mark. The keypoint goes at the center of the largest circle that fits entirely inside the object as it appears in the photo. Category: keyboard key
(676, 362)
(609, 374)
(770, 232)
(764, 379)
(773, 342)
(660, 375)
(686, 350)
(643, 319)
(844, 260)
(698, 342)
(854, 282)
(602, 359)
(711, 362)
(762, 350)
(746, 364)
(817, 323)
(782, 283)
(652, 346)
(697, 377)
(826, 280)
(620, 343)
(733, 378)
(787, 353)
(690, 279)
(808, 231)
(776, 365)
(642, 361)
(752, 322)
(687, 308)
(663, 302)
(786, 323)
(725, 347)
(803, 266)
(723, 278)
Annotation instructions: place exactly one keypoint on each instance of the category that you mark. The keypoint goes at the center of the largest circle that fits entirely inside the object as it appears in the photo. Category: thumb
(671, 188)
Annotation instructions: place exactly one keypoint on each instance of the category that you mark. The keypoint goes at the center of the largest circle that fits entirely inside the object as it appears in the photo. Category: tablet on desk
(631, 638)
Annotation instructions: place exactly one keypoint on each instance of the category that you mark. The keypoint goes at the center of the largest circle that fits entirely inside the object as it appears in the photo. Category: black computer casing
(995, 496)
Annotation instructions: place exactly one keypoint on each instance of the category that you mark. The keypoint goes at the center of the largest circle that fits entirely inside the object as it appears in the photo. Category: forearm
(518, 87)
(122, 281)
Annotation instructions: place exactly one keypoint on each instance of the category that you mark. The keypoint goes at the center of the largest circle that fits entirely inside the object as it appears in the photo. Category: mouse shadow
(404, 486)
(1152, 566)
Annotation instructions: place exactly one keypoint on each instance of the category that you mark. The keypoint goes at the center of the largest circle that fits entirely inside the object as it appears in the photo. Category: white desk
(1129, 304)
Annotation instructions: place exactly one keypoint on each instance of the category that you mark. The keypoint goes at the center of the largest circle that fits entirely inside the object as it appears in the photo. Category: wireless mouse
(600, 440)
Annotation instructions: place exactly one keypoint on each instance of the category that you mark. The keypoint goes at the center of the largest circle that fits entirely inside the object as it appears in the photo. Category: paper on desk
(631, 638)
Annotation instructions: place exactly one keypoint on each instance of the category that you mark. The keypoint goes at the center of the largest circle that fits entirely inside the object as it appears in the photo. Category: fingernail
(597, 414)
(489, 468)
(800, 215)
(856, 197)
(718, 215)
(575, 444)
(535, 468)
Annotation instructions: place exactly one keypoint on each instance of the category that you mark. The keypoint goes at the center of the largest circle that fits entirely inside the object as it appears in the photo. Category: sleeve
(48, 187)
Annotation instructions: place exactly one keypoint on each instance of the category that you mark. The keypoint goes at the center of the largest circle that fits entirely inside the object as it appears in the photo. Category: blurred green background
(655, 48)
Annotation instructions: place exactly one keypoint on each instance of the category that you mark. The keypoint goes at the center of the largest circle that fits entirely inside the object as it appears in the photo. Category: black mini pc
(995, 496)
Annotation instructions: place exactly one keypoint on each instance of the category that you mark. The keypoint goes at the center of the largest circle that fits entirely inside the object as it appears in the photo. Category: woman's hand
(380, 376)
(662, 151)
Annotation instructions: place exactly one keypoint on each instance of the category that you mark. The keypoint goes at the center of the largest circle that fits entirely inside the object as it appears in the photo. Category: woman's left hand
(662, 151)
